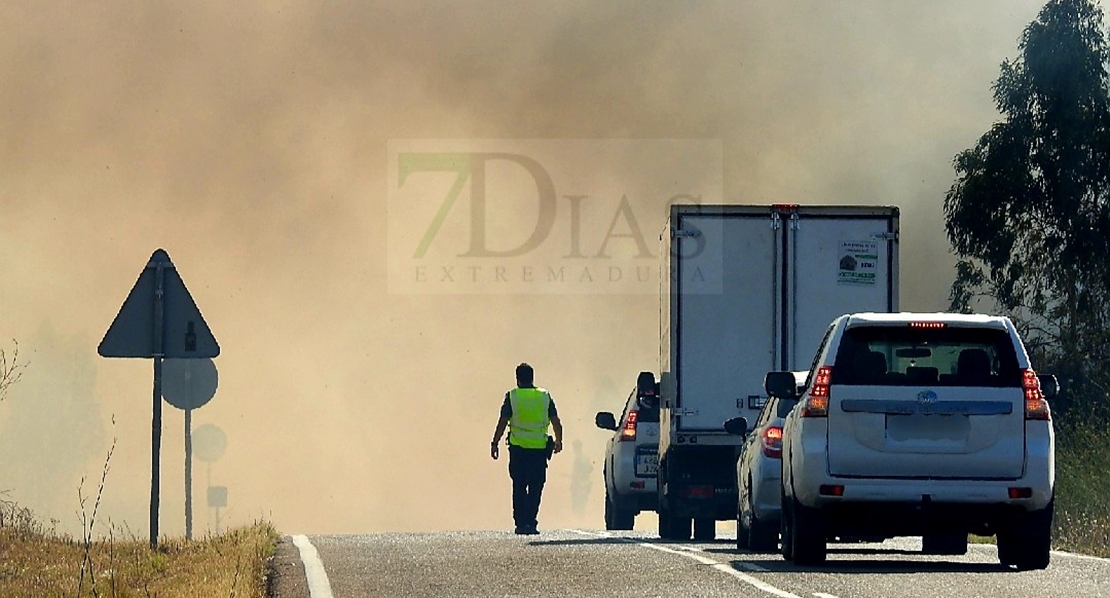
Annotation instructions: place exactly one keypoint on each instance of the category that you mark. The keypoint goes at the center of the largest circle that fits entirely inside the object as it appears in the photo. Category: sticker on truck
(858, 262)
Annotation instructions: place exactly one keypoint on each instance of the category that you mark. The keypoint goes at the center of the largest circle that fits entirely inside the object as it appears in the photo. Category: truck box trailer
(745, 290)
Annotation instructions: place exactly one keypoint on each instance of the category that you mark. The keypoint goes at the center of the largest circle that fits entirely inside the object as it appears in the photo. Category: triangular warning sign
(185, 334)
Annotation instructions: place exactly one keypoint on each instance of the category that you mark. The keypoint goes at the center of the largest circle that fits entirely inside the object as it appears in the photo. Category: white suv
(632, 455)
(931, 425)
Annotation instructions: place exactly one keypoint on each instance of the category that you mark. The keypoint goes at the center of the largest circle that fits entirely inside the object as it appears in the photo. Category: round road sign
(188, 383)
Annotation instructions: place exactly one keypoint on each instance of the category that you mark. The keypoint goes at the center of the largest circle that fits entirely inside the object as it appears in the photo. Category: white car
(632, 455)
(759, 473)
(931, 425)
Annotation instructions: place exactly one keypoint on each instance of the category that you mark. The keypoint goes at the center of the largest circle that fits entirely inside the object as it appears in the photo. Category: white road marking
(752, 567)
(823, 595)
(691, 553)
(318, 586)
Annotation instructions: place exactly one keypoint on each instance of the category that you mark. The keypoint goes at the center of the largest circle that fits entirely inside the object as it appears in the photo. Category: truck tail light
(696, 492)
(628, 432)
(772, 442)
(817, 403)
(1036, 407)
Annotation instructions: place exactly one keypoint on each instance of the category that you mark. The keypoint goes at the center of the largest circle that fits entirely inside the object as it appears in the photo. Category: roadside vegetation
(1082, 522)
(1028, 218)
(37, 562)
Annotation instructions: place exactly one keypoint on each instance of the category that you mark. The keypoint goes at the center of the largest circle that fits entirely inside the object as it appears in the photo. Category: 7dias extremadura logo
(538, 216)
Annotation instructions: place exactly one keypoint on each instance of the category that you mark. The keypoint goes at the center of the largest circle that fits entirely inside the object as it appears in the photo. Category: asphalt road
(579, 563)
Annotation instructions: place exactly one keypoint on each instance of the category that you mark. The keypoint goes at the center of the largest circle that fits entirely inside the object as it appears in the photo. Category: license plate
(647, 465)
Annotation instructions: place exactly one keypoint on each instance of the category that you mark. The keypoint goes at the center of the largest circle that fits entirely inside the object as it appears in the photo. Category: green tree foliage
(1029, 213)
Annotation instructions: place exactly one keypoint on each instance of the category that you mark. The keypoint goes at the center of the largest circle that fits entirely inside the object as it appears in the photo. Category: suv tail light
(1036, 407)
(772, 442)
(817, 403)
(628, 432)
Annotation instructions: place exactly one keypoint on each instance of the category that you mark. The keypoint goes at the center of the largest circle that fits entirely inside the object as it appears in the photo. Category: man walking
(527, 412)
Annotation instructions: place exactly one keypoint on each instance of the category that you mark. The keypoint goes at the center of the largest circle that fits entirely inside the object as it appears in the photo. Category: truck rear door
(841, 260)
(725, 265)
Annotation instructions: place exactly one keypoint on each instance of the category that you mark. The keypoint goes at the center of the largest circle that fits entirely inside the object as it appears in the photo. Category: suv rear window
(905, 356)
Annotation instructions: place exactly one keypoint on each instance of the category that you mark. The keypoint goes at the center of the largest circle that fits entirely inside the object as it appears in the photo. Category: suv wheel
(786, 528)
(1026, 542)
(763, 535)
(617, 518)
(807, 535)
(741, 532)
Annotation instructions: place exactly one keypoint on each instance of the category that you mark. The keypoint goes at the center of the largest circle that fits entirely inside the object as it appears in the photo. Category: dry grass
(37, 562)
(1082, 521)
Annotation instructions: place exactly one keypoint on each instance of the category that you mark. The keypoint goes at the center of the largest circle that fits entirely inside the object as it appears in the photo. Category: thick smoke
(249, 140)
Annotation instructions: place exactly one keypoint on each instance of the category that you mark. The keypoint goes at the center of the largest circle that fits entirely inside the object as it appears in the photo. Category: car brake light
(1020, 492)
(772, 442)
(629, 430)
(1036, 407)
(831, 490)
(930, 325)
(817, 403)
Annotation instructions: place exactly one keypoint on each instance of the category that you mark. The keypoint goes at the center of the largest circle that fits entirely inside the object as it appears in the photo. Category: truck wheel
(672, 527)
(680, 528)
(953, 543)
(616, 517)
(1026, 542)
(763, 535)
(807, 535)
(705, 529)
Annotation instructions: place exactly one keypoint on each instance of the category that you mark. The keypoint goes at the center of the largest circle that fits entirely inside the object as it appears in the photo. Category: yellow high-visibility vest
(528, 425)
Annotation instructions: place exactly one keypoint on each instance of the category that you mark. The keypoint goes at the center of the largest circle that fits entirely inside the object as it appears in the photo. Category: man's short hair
(524, 374)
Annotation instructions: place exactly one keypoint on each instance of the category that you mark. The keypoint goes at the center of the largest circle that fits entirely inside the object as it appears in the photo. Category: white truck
(746, 290)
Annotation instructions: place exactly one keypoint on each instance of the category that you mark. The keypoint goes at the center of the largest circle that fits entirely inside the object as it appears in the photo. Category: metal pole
(188, 474)
(156, 419)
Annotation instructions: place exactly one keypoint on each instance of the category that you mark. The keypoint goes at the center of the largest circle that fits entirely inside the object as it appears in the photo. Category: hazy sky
(251, 141)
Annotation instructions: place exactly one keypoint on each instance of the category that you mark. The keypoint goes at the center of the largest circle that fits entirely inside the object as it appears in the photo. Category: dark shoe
(520, 530)
(532, 531)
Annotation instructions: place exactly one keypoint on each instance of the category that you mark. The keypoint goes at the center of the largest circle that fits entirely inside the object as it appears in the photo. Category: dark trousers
(528, 470)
